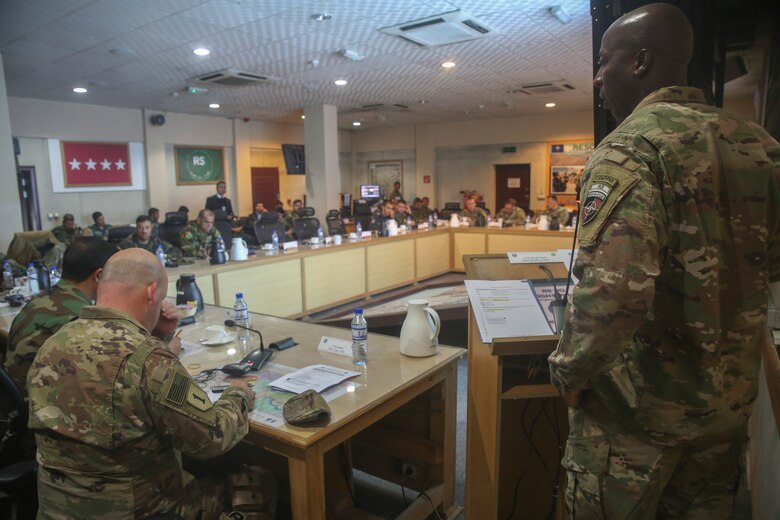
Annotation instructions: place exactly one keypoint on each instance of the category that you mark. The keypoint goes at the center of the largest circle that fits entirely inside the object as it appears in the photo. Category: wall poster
(386, 174)
(199, 164)
(567, 163)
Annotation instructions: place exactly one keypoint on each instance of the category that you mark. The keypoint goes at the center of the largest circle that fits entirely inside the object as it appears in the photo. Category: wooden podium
(517, 426)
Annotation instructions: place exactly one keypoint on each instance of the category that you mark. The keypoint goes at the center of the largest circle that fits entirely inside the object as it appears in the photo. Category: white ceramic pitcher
(454, 220)
(420, 334)
(239, 251)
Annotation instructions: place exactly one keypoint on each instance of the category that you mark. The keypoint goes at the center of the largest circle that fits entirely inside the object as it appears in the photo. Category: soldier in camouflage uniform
(46, 313)
(15, 266)
(67, 232)
(554, 210)
(477, 216)
(99, 229)
(419, 213)
(198, 237)
(511, 214)
(143, 238)
(113, 410)
(679, 238)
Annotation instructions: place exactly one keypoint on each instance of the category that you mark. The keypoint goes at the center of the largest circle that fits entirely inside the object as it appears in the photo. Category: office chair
(117, 234)
(306, 228)
(446, 213)
(333, 213)
(222, 224)
(452, 206)
(304, 212)
(336, 226)
(17, 454)
(266, 225)
(171, 229)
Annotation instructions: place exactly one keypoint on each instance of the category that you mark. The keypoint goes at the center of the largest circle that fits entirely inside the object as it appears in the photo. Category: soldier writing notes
(679, 232)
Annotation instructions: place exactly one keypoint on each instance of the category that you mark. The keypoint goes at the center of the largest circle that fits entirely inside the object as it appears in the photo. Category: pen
(178, 333)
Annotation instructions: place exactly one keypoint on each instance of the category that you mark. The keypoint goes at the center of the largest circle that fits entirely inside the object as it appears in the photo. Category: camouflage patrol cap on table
(306, 407)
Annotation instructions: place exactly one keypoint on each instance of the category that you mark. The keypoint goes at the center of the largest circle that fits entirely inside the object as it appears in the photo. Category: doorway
(28, 198)
(513, 181)
(265, 186)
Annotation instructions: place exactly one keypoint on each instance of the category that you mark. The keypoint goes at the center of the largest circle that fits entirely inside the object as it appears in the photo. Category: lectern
(517, 425)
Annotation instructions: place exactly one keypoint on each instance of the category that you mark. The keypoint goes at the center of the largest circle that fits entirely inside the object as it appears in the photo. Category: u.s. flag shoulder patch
(600, 189)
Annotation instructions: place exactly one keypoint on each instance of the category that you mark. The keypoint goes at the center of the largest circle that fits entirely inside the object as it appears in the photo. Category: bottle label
(359, 333)
(241, 315)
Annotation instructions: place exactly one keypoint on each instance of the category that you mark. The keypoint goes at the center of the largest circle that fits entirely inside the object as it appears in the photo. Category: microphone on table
(552, 279)
(253, 361)
(231, 323)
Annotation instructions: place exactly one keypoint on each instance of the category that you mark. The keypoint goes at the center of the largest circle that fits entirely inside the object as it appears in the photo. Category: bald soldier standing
(679, 239)
(113, 409)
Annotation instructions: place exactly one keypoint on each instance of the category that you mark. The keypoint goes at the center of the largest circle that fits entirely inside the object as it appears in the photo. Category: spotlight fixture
(448, 64)
(80, 90)
(213, 105)
(303, 116)
(201, 51)
(558, 12)
(356, 123)
(321, 17)
(352, 55)
(340, 82)
(549, 105)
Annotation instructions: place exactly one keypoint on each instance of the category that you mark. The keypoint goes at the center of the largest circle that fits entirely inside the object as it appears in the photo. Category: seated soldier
(290, 216)
(419, 212)
(154, 214)
(68, 231)
(46, 313)
(143, 238)
(402, 212)
(113, 411)
(99, 229)
(476, 216)
(198, 237)
(554, 210)
(511, 215)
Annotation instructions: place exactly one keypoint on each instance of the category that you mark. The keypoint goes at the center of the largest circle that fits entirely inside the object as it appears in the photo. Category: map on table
(436, 297)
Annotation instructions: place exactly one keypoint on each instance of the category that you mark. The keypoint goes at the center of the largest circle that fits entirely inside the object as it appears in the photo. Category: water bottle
(435, 219)
(359, 231)
(574, 222)
(241, 317)
(161, 253)
(320, 234)
(54, 275)
(527, 220)
(275, 240)
(359, 338)
(489, 219)
(408, 223)
(430, 220)
(32, 279)
(8, 275)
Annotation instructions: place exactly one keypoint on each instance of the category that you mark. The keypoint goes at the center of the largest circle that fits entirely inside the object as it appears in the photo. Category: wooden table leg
(307, 485)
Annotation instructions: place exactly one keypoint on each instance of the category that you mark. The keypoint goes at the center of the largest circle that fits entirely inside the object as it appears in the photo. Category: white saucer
(268, 247)
(212, 343)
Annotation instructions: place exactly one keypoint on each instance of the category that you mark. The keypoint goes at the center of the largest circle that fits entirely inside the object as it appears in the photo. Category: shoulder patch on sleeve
(620, 158)
(181, 394)
(607, 186)
(178, 389)
(198, 398)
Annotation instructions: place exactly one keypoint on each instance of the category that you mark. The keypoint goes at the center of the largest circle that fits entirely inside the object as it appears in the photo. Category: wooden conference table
(313, 278)
(399, 409)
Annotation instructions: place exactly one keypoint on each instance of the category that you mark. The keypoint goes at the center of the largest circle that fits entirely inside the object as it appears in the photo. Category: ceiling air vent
(232, 78)
(385, 107)
(545, 87)
(444, 29)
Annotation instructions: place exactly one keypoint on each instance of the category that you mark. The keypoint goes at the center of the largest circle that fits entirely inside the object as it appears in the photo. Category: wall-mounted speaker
(157, 120)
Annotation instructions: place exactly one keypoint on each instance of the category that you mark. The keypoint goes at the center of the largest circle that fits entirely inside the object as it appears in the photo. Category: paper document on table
(314, 377)
(506, 309)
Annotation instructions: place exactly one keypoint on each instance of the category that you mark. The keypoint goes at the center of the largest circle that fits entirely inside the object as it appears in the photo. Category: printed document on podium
(506, 309)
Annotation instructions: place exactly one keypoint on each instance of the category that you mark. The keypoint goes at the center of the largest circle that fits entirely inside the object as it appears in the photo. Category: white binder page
(506, 309)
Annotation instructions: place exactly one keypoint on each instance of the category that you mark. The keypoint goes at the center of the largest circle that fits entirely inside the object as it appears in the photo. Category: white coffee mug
(337, 239)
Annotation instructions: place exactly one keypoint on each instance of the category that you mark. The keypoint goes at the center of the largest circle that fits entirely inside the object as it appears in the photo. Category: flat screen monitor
(369, 191)
(294, 159)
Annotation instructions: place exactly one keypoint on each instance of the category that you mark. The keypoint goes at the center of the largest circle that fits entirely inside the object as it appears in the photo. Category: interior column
(323, 181)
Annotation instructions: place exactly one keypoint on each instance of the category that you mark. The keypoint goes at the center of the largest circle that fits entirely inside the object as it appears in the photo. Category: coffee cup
(353, 235)
(337, 239)
(315, 240)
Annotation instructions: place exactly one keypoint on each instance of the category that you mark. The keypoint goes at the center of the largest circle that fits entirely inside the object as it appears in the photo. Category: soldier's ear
(96, 274)
(642, 63)
(151, 294)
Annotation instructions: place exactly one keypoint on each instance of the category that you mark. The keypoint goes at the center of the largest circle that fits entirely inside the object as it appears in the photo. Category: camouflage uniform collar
(70, 287)
(673, 95)
(96, 312)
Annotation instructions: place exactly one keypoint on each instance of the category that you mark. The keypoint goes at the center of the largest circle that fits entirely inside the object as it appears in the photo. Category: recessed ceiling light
(202, 51)
(213, 105)
(448, 64)
(303, 116)
(80, 90)
(321, 17)
(549, 105)
(340, 82)
(356, 123)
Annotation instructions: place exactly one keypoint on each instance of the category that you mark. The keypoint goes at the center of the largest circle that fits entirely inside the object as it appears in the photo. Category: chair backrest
(176, 218)
(13, 417)
(306, 211)
(220, 215)
(117, 234)
(452, 205)
(446, 213)
(170, 232)
(264, 231)
(362, 208)
(336, 226)
(269, 217)
(333, 213)
(223, 226)
(366, 221)
(305, 228)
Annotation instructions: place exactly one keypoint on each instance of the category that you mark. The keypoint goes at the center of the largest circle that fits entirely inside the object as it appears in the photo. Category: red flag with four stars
(96, 164)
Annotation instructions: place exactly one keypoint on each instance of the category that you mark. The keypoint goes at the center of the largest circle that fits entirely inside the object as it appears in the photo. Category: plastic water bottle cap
(358, 311)
(239, 296)
(30, 265)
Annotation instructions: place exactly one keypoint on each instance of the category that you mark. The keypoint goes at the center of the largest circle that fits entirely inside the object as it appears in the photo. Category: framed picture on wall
(199, 164)
(385, 174)
(87, 164)
(567, 163)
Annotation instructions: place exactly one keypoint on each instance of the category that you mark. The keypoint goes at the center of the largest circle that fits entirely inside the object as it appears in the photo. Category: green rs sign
(199, 165)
